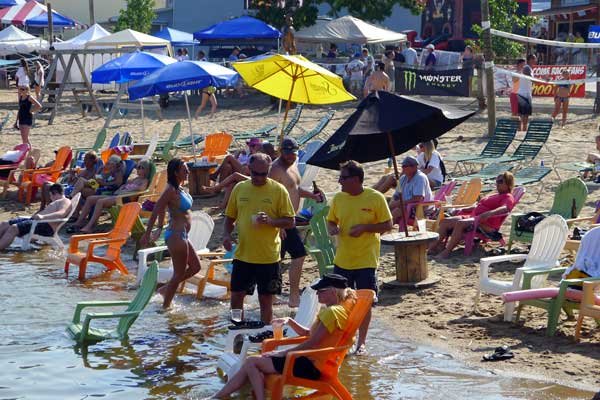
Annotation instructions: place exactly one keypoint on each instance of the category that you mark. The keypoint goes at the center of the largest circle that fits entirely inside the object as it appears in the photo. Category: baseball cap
(430, 46)
(254, 142)
(331, 280)
(289, 145)
(410, 161)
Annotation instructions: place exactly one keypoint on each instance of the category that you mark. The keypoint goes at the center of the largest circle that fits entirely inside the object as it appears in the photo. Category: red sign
(553, 73)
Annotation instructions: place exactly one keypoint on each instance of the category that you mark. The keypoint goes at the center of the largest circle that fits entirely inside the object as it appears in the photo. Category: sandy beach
(441, 315)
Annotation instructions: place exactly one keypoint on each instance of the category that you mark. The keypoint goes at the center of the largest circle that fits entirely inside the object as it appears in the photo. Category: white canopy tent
(89, 61)
(129, 38)
(348, 30)
(13, 41)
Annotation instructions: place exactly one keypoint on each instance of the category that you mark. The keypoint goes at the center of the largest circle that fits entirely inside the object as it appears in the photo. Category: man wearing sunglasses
(259, 207)
(358, 215)
(285, 171)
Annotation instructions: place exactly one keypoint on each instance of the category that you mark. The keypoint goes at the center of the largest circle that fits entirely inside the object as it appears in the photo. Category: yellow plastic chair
(114, 240)
(327, 359)
(156, 188)
(467, 195)
(588, 307)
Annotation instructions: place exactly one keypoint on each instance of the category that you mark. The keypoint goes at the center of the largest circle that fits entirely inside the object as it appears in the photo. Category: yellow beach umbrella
(293, 78)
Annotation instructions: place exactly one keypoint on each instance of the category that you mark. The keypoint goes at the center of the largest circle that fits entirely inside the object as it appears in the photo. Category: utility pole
(50, 26)
(92, 18)
(488, 66)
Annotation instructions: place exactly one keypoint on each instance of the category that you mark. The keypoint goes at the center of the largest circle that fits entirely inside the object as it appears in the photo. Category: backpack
(527, 222)
(442, 168)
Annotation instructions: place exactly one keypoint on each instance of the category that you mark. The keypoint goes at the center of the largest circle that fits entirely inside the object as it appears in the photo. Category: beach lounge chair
(79, 152)
(538, 131)
(487, 173)
(569, 198)
(532, 175)
(581, 167)
(589, 306)
(294, 120)
(201, 230)
(82, 332)
(504, 134)
(548, 241)
(525, 152)
(323, 122)
(113, 240)
(477, 234)
(230, 361)
(322, 249)
(32, 179)
(328, 359)
(54, 240)
(589, 250)
(264, 132)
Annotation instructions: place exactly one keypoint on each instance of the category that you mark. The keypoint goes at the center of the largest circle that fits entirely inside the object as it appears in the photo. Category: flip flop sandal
(258, 338)
(500, 353)
(246, 325)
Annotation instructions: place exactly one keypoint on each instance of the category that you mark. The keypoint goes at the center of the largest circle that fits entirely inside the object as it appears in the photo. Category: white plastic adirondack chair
(549, 238)
(309, 150)
(149, 152)
(199, 235)
(230, 361)
(54, 240)
(310, 174)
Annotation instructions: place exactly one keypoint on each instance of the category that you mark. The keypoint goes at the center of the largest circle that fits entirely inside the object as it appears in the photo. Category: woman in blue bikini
(183, 255)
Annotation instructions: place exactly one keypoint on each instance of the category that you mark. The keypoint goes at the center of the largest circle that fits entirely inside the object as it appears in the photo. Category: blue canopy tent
(177, 38)
(58, 20)
(239, 30)
(10, 3)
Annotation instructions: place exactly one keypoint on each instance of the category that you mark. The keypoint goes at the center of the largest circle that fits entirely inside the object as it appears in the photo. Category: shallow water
(174, 354)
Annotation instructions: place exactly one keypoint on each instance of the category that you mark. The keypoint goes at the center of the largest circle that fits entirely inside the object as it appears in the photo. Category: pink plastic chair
(438, 199)
(473, 235)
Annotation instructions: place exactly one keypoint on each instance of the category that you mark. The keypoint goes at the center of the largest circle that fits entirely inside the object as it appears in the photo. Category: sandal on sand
(500, 353)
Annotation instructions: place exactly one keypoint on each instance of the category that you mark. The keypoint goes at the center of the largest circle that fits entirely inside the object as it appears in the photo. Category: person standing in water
(27, 106)
(179, 202)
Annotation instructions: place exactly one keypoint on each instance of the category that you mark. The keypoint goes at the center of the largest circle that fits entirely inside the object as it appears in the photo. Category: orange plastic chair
(327, 359)
(114, 239)
(35, 178)
(215, 147)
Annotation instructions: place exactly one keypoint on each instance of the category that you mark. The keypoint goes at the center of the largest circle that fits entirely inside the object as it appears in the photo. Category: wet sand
(441, 315)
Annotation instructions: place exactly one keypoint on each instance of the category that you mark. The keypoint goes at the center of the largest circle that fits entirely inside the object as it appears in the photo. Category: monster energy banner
(453, 82)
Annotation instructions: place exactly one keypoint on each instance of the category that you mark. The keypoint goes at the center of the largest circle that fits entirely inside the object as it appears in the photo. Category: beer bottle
(574, 209)
(317, 191)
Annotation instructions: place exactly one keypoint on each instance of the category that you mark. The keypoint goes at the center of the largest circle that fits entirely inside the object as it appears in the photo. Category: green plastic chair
(569, 198)
(165, 147)
(100, 139)
(323, 122)
(322, 249)
(83, 332)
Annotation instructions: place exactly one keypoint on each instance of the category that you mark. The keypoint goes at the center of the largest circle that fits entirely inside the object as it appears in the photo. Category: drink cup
(448, 200)
(236, 314)
(277, 330)
(422, 225)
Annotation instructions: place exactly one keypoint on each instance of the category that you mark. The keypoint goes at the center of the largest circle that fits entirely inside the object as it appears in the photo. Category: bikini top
(185, 201)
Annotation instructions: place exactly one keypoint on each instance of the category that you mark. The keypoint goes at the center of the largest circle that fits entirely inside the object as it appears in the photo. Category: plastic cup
(277, 330)
(448, 200)
(236, 314)
(422, 225)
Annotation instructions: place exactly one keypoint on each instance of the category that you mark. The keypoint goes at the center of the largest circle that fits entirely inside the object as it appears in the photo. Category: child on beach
(561, 99)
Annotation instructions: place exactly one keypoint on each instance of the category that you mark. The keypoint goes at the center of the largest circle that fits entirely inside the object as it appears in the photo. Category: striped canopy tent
(19, 14)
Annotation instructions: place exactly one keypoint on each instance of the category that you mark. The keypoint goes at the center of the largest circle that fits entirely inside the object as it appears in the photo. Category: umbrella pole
(143, 122)
(187, 107)
(402, 209)
(287, 109)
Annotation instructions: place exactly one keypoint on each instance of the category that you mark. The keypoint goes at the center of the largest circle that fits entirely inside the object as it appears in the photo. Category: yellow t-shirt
(333, 317)
(258, 244)
(346, 210)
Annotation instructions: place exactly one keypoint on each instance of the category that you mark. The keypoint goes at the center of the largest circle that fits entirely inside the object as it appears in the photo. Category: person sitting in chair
(19, 227)
(99, 202)
(489, 210)
(333, 292)
(413, 187)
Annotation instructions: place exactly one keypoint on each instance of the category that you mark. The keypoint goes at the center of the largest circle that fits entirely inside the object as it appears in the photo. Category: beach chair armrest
(87, 304)
(75, 239)
(109, 315)
(210, 253)
(530, 274)
(485, 262)
(272, 344)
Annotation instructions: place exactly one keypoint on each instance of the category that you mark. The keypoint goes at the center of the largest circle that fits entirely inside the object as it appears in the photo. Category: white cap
(430, 46)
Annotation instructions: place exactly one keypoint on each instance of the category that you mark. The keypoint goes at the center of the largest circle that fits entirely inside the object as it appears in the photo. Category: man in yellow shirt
(259, 208)
(358, 215)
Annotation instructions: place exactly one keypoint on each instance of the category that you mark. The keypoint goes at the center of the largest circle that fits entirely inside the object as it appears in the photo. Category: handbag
(527, 222)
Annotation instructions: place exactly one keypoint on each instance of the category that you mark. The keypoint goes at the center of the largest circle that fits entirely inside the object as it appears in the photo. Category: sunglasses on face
(256, 173)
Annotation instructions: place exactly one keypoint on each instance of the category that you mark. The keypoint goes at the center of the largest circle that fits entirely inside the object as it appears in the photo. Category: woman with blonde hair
(38, 81)
(430, 163)
(333, 292)
(490, 211)
(27, 106)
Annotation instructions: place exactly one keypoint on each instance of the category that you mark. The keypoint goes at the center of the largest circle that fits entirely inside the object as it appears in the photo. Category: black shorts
(292, 244)
(245, 276)
(24, 226)
(524, 105)
(303, 368)
(363, 278)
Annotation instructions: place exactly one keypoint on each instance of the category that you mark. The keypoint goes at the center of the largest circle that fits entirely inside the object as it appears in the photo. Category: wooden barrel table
(199, 176)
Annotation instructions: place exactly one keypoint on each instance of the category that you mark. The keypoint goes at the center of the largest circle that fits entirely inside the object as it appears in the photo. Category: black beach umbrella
(385, 125)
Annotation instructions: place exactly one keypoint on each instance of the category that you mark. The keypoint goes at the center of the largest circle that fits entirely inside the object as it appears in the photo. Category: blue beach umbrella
(183, 76)
(129, 67)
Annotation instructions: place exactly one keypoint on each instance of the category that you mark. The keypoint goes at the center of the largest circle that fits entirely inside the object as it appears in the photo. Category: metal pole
(50, 25)
(488, 65)
(393, 152)
(92, 17)
(187, 107)
(143, 122)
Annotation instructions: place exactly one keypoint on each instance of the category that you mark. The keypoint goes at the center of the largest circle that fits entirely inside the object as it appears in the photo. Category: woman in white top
(22, 75)
(429, 163)
(38, 81)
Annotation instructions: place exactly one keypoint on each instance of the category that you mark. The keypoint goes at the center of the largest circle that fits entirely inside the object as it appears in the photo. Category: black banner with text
(453, 82)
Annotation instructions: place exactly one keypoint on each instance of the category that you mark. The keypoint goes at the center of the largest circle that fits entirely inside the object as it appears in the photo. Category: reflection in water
(174, 354)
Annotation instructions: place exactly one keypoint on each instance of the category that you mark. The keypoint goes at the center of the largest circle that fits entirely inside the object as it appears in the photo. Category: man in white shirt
(411, 58)
(355, 69)
(524, 93)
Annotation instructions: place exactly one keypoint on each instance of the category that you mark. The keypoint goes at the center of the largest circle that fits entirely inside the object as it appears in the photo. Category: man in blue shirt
(414, 186)
(234, 54)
